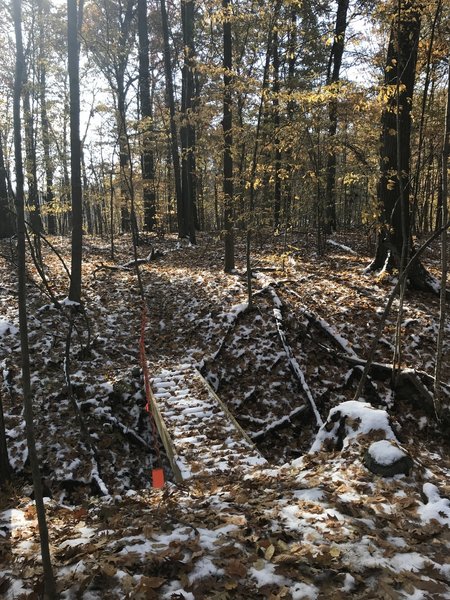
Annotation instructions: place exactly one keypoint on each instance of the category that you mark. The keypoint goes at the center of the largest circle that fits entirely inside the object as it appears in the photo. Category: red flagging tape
(157, 478)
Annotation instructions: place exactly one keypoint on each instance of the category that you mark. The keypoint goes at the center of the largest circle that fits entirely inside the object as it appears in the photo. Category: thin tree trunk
(124, 158)
(276, 125)
(182, 227)
(31, 166)
(228, 137)
(332, 79)
(187, 130)
(48, 164)
(438, 405)
(75, 149)
(292, 48)
(49, 582)
(147, 158)
(425, 99)
(255, 153)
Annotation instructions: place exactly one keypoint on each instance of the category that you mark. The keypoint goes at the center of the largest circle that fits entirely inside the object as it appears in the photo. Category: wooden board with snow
(200, 435)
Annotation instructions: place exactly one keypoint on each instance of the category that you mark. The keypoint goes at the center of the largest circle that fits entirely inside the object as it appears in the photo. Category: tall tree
(442, 412)
(109, 36)
(187, 130)
(182, 227)
(31, 159)
(227, 124)
(333, 75)
(395, 148)
(276, 125)
(43, 8)
(147, 158)
(49, 582)
(73, 63)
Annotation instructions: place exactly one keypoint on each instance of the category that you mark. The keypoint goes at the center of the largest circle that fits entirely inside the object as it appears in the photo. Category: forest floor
(306, 524)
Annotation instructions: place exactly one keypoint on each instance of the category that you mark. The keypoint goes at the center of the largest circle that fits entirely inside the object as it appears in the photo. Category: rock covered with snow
(347, 421)
(385, 458)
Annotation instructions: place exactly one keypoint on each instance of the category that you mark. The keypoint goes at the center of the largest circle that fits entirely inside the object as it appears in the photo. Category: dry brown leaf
(270, 551)
(151, 582)
(235, 568)
(108, 569)
(259, 564)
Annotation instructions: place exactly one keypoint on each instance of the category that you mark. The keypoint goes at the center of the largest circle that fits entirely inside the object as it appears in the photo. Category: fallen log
(279, 423)
(293, 363)
(414, 378)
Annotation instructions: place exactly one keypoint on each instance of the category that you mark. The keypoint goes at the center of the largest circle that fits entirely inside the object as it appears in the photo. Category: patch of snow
(7, 328)
(407, 561)
(384, 452)
(364, 419)
(311, 495)
(397, 541)
(437, 508)
(17, 588)
(304, 591)
(415, 595)
(266, 575)
(349, 583)
(204, 568)
(67, 302)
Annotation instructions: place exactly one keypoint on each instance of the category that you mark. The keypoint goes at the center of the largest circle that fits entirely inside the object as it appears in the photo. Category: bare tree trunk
(147, 158)
(182, 227)
(31, 166)
(394, 183)
(443, 413)
(333, 75)
(49, 582)
(228, 137)
(264, 85)
(292, 47)
(425, 98)
(276, 125)
(73, 50)
(48, 164)
(187, 131)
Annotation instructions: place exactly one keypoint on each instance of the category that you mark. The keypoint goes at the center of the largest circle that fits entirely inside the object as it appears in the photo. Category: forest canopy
(307, 89)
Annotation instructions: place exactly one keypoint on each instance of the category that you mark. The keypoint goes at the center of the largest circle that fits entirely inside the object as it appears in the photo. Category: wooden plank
(200, 435)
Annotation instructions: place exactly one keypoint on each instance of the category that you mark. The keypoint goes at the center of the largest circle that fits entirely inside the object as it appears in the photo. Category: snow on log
(293, 363)
(347, 421)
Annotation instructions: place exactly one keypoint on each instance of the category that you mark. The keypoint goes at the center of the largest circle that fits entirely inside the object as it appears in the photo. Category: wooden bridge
(200, 435)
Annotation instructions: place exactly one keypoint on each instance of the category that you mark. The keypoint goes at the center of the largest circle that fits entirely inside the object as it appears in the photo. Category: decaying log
(131, 264)
(406, 378)
(293, 363)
